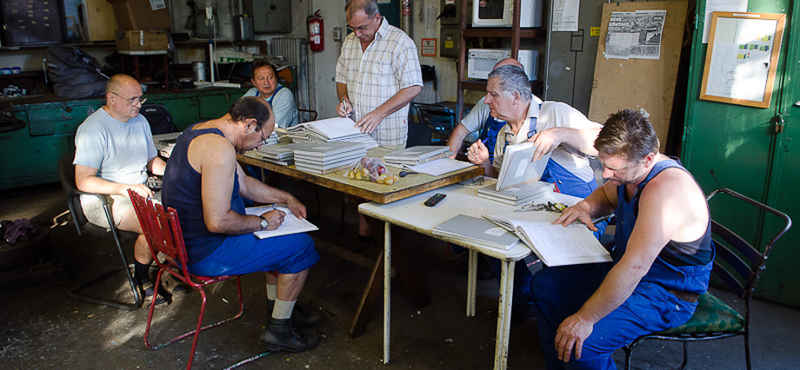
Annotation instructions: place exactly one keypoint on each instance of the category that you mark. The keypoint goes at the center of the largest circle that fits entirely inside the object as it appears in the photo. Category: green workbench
(30, 155)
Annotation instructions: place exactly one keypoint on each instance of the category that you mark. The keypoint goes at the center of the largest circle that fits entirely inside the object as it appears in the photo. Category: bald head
(508, 62)
(119, 82)
(123, 97)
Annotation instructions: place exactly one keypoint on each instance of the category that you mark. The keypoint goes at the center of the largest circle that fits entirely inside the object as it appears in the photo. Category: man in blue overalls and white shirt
(663, 253)
(279, 97)
(555, 127)
(481, 121)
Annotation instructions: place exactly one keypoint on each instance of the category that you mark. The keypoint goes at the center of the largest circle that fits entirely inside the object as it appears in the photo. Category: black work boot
(300, 317)
(281, 335)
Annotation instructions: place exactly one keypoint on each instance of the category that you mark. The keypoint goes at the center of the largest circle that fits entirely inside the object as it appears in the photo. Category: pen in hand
(344, 105)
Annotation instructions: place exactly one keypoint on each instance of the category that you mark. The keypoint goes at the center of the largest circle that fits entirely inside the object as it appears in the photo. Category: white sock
(272, 292)
(283, 309)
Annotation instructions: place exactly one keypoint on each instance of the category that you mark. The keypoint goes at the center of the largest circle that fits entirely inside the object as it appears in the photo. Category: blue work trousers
(561, 291)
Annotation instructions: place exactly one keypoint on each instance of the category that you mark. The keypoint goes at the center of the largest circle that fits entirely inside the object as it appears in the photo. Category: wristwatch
(264, 223)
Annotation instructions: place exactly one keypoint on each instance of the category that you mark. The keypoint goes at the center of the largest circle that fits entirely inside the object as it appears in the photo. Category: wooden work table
(406, 187)
(410, 185)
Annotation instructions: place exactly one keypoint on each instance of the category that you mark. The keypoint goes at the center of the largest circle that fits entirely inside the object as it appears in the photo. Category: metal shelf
(515, 33)
(111, 44)
(524, 33)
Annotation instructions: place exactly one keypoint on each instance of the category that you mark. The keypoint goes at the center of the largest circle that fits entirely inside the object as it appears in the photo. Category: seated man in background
(479, 120)
(280, 98)
(205, 184)
(114, 151)
(555, 127)
(663, 253)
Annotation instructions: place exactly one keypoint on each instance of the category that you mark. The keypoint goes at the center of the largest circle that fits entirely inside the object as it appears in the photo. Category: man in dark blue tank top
(661, 261)
(205, 184)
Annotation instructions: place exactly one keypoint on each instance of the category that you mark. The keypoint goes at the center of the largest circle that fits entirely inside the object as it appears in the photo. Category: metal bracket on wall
(576, 42)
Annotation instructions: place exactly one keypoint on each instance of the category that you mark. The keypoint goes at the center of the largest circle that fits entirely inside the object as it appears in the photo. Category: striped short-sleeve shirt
(389, 64)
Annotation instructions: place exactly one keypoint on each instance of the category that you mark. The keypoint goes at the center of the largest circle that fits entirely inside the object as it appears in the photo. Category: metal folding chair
(739, 265)
(66, 174)
(163, 233)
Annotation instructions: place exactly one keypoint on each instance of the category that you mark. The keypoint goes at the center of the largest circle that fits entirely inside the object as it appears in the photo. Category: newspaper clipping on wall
(635, 35)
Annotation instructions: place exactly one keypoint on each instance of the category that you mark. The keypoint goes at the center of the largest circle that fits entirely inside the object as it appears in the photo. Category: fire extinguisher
(315, 36)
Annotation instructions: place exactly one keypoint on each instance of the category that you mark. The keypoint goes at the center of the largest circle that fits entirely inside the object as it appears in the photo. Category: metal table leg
(472, 282)
(504, 315)
(387, 289)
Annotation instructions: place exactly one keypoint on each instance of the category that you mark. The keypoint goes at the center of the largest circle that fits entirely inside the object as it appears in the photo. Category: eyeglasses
(132, 101)
(549, 207)
(476, 181)
(261, 132)
(360, 28)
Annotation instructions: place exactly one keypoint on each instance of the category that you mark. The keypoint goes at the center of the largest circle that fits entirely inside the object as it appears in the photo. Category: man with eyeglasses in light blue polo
(114, 151)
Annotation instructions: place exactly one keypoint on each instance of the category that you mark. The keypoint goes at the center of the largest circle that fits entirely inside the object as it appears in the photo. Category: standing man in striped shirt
(377, 75)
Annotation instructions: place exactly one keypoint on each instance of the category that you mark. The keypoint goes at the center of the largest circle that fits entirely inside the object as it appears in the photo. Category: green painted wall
(734, 146)
(30, 156)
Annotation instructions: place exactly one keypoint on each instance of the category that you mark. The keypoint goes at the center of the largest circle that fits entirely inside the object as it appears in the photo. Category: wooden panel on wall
(100, 21)
(647, 84)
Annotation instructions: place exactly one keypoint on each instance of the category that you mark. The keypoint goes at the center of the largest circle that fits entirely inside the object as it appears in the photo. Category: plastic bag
(371, 169)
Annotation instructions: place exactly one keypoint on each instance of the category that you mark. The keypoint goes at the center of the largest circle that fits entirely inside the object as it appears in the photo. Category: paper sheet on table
(439, 167)
(335, 127)
(291, 224)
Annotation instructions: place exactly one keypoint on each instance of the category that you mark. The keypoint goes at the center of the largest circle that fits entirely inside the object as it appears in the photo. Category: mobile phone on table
(435, 199)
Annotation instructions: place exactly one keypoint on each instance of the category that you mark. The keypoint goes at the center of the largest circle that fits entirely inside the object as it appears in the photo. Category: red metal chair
(163, 233)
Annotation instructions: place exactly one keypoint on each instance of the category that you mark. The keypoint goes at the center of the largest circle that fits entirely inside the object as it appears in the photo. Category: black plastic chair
(440, 119)
(418, 134)
(159, 118)
(306, 115)
(739, 265)
(66, 174)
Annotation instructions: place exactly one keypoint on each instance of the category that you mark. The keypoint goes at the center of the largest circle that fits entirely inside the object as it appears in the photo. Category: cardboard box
(143, 40)
(141, 14)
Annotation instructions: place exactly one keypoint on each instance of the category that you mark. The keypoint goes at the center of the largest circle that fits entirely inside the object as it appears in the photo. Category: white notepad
(291, 224)
(517, 168)
(478, 231)
(554, 244)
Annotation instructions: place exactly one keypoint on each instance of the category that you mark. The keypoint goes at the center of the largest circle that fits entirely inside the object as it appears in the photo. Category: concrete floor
(41, 328)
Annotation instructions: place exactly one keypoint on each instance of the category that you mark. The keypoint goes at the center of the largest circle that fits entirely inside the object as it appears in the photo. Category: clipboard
(742, 58)
(517, 168)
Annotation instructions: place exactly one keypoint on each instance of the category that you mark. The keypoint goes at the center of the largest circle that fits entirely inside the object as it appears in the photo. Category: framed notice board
(742, 58)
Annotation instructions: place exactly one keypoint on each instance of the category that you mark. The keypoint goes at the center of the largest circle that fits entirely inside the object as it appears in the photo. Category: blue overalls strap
(273, 95)
(269, 101)
(690, 278)
(488, 134)
(531, 131)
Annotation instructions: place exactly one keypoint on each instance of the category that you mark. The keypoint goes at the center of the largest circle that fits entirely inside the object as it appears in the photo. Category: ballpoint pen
(344, 104)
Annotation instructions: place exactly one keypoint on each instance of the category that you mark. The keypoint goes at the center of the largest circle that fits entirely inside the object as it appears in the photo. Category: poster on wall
(428, 47)
(565, 15)
(635, 35)
(742, 58)
(721, 6)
